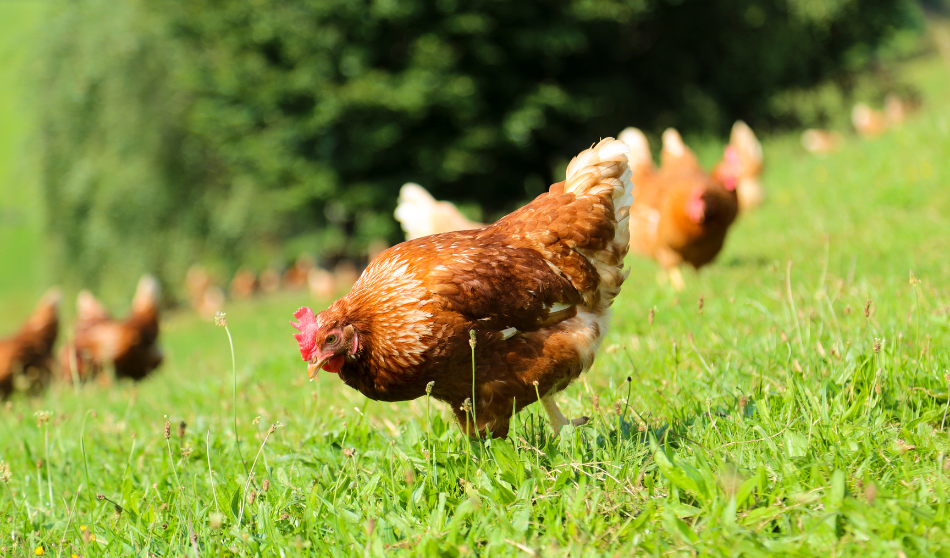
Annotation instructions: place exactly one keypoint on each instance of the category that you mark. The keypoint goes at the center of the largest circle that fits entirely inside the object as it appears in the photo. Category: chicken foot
(558, 420)
(676, 278)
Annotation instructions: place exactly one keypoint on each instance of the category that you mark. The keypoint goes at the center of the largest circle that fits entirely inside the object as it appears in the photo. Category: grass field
(800, 412)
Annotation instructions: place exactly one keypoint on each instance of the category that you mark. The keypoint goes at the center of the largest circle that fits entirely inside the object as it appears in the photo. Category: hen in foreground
(29, 352)
(130, 345)
(531, 293)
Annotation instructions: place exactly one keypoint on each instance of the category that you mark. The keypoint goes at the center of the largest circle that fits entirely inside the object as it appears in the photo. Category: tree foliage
(251, 131)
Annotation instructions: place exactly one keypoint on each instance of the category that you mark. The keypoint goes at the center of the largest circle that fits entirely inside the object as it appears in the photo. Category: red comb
(307, 326)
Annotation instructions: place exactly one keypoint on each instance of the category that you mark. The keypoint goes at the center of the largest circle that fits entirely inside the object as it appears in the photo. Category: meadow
(792, 400)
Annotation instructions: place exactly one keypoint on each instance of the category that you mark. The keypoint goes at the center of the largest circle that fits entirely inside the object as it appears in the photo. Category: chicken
(29, 352)
(524, 301)
(421, 215)
(243, 284)
(204, 296)
(130, 346)
(681, 213)
(820, 142)
(295, 277)
(868, 123)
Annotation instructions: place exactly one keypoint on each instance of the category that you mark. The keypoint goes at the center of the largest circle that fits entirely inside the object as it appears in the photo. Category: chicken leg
(558, 420)
(676, 278)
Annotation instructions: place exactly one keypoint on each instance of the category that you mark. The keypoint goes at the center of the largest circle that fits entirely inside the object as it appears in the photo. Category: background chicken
(681, 213)
(130, 345)
(421, 215)
(870, 123)
(821, 142)
(533, 289)
(29, 352)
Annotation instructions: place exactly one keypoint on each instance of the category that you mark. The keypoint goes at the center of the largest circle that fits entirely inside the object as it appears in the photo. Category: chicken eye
(331, 339)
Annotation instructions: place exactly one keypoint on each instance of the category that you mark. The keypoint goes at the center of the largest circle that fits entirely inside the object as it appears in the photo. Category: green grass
(779, 420)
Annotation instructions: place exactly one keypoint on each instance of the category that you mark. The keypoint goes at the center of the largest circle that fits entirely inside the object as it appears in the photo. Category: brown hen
(29, 352)
(533, 290)
(130, 346)
(681, 213)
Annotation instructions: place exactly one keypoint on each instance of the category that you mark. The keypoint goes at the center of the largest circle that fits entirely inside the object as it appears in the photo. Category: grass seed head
(167, 431)
(847, 310)
(5, 475)
(265, 486)
(867, 308)
(181, 429)
(251, 496)
(471, 338)
(429, 387)
(700, 304)
(651, 315)
(219, 319)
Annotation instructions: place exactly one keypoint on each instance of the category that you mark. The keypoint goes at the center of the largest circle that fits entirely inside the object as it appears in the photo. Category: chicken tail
(640, 158)
(603, 172)
(421, 215)
(146, 295)
(43, 324)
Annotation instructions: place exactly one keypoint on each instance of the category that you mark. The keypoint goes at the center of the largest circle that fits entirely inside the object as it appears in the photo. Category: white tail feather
(601, 171)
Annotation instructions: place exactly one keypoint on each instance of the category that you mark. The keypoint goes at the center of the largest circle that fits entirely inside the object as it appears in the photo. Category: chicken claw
(558, 420)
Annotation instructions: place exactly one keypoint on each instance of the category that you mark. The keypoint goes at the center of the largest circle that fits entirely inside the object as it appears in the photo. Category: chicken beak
(314, 367)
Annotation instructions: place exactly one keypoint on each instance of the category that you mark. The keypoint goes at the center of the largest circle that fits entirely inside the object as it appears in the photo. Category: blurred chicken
(871, 123)
(28, 354)
(421, 215)
(820, 142)
(243, 284)
(680, 213)
(130, 346)
(345, 275)
(270, 281)
(197, 282)
(322, 284)
(296, 275)
(868, 122)
(895, 110)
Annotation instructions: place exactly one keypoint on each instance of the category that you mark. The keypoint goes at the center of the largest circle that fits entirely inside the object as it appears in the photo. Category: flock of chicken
(424, 309)
(680, 212)
(98, 342)
(867, 122)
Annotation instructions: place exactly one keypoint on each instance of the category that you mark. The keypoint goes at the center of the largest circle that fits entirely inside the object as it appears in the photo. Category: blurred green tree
(252, 131)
